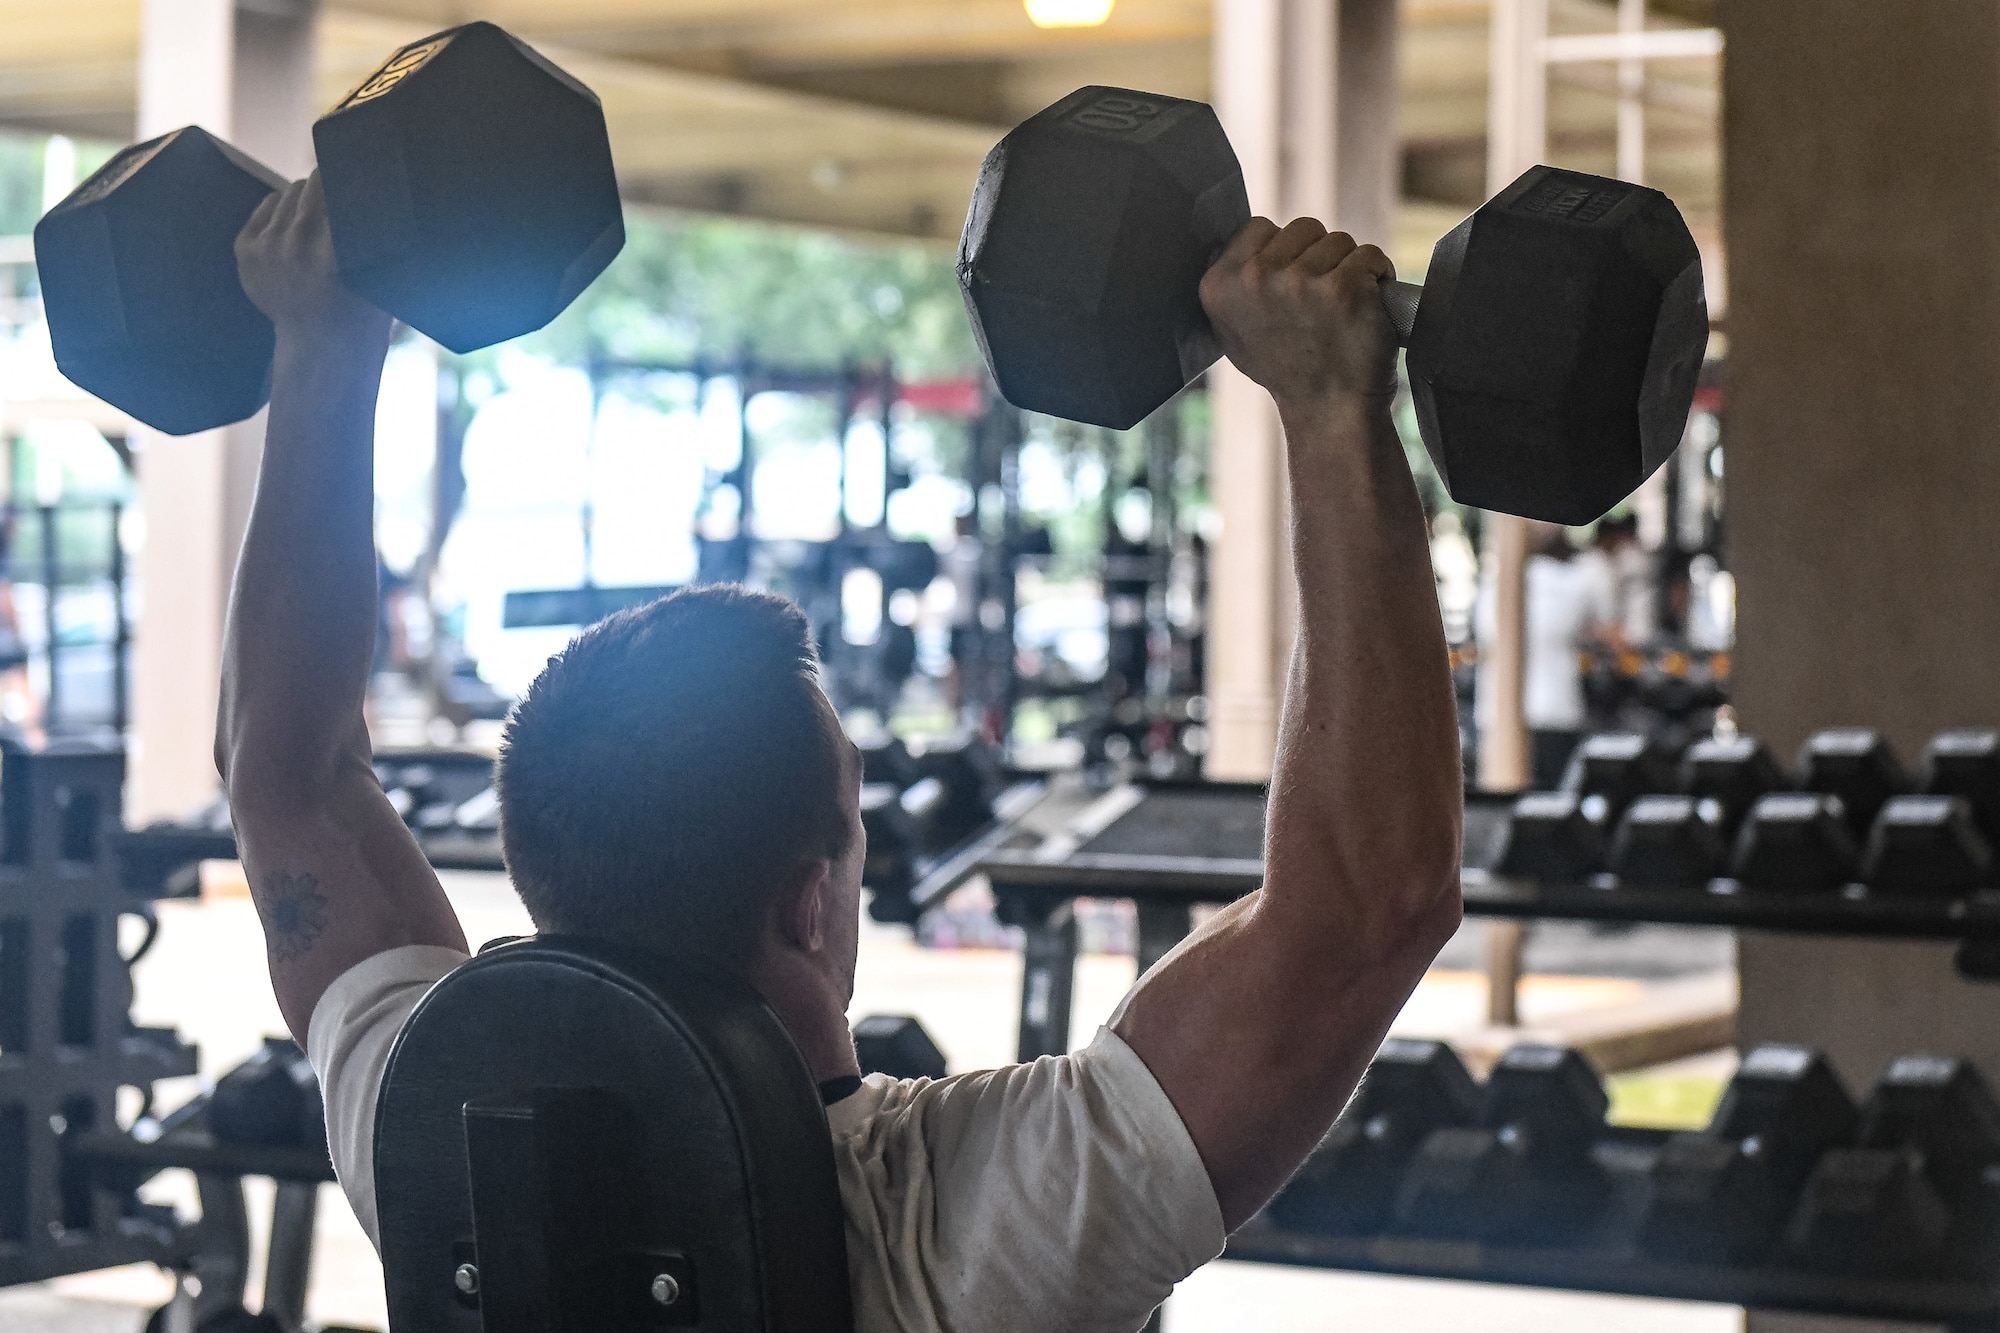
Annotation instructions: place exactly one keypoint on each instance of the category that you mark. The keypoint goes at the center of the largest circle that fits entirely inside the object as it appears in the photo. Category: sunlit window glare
(1068, 13)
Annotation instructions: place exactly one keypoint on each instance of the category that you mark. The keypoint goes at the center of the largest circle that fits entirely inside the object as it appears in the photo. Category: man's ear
(803, 904)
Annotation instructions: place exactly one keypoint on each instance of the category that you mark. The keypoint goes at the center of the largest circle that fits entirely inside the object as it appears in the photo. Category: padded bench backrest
(564, 1124)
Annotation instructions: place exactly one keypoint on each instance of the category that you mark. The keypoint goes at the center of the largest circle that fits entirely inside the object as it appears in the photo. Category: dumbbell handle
(1400, 299)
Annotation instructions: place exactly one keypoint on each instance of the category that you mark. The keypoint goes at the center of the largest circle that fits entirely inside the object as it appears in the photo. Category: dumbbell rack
(1171, 846)
(67, 1044)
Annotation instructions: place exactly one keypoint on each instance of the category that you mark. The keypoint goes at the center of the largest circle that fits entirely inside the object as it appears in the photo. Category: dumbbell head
(1869, 1210)
(889, 870)
(1549, 1092)
(1855, 764)
(896, 1045)
(1081, 261)
(1555, 351)
(1555, 835)
(1940, 1106)
(138, 273)
(1348, 1185)
(1709, 1201)
(1791, 1103)
(1795, 841)
(1620, 766)
(1966, 763)
(1926, 845)
(1669, 842)
(1734, 771)
(469, 187)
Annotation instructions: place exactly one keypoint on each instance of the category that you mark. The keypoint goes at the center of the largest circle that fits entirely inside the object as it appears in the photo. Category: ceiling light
(1068, 13)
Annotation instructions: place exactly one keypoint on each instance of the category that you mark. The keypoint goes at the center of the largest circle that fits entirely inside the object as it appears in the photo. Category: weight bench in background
(574, 1136)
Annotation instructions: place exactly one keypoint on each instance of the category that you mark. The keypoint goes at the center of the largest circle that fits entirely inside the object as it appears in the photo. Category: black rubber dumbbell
(969, 771)
(1926, 846)
(1733, 771)
(1556, 836)
(1721, 1195)
(1349, 1184)
(1620, 766)
(1552, 357)
(470, 193)
(1670, 842)
(1913, 1197)
(271, 1100)
(1527, 1175)
(896, 1045)
(886, 759)
(1857, 765)
(1966, 763)
(1795, 842)
(894, 835)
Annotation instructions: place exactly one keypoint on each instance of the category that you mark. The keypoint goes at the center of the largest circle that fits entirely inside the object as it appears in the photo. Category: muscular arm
(335, 874)
(1260, 1024)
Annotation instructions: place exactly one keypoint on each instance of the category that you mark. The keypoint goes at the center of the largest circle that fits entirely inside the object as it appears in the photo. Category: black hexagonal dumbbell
(1720, 1195)
(1926, 846)
(1620, 767)
(896, 1045)
(1557, 836)
(1668, 842)
(470, 193)
(1795, 842)
(1349, 1184)
(1857, 765)
(1527, 1175)
(1966, 763)
(1552, 355)
(1915, 1196)
(1733, 771)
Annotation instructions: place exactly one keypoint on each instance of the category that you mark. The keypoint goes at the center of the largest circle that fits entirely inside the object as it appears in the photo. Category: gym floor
(200, 978)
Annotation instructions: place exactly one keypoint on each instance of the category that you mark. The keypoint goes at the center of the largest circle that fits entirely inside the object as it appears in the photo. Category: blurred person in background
(1630, 569)
(1571, 606)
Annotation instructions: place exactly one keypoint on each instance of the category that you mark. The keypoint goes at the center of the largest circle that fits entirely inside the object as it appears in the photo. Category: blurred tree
(688, 287)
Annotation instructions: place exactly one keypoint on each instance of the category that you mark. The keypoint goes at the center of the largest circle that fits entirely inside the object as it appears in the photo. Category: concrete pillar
(1862, 151)
(245, 73)
(1307, 91)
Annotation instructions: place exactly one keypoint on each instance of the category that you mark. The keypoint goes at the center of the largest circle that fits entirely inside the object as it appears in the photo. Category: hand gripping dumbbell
(1552, 352)
(469, 190)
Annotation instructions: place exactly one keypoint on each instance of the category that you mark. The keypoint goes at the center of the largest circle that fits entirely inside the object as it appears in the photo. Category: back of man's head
(671, 769)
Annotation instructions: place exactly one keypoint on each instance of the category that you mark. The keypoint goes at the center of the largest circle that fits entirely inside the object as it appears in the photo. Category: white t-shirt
(1063, 1196)
(1565, 601)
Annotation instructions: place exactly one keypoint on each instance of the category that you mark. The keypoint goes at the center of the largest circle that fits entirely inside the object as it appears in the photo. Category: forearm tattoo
(294, 914)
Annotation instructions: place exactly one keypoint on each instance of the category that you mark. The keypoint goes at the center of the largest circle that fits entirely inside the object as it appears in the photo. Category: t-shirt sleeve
(1063, 1194)
(353, 1028)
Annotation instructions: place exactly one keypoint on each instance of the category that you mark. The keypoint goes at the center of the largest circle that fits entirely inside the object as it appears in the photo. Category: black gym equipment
(1556, 835)
(1526, 1175)
(1619, 767)
(1857, 765)
(573, 1135)
(469, 190)
(1552, 354)
(1966, 763)
(896, 1045)
(1733, 771)
(1926, 845)
(1720, 1195)
(1669, 842)
(270, 1100)
(1796, 842)
(1349, 1184)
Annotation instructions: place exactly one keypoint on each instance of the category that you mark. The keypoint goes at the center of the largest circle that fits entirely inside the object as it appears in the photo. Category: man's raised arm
(335, 874)
(1260, 1024)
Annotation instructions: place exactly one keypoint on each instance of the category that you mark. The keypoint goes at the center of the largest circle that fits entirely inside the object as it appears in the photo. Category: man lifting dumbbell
(676, 778)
